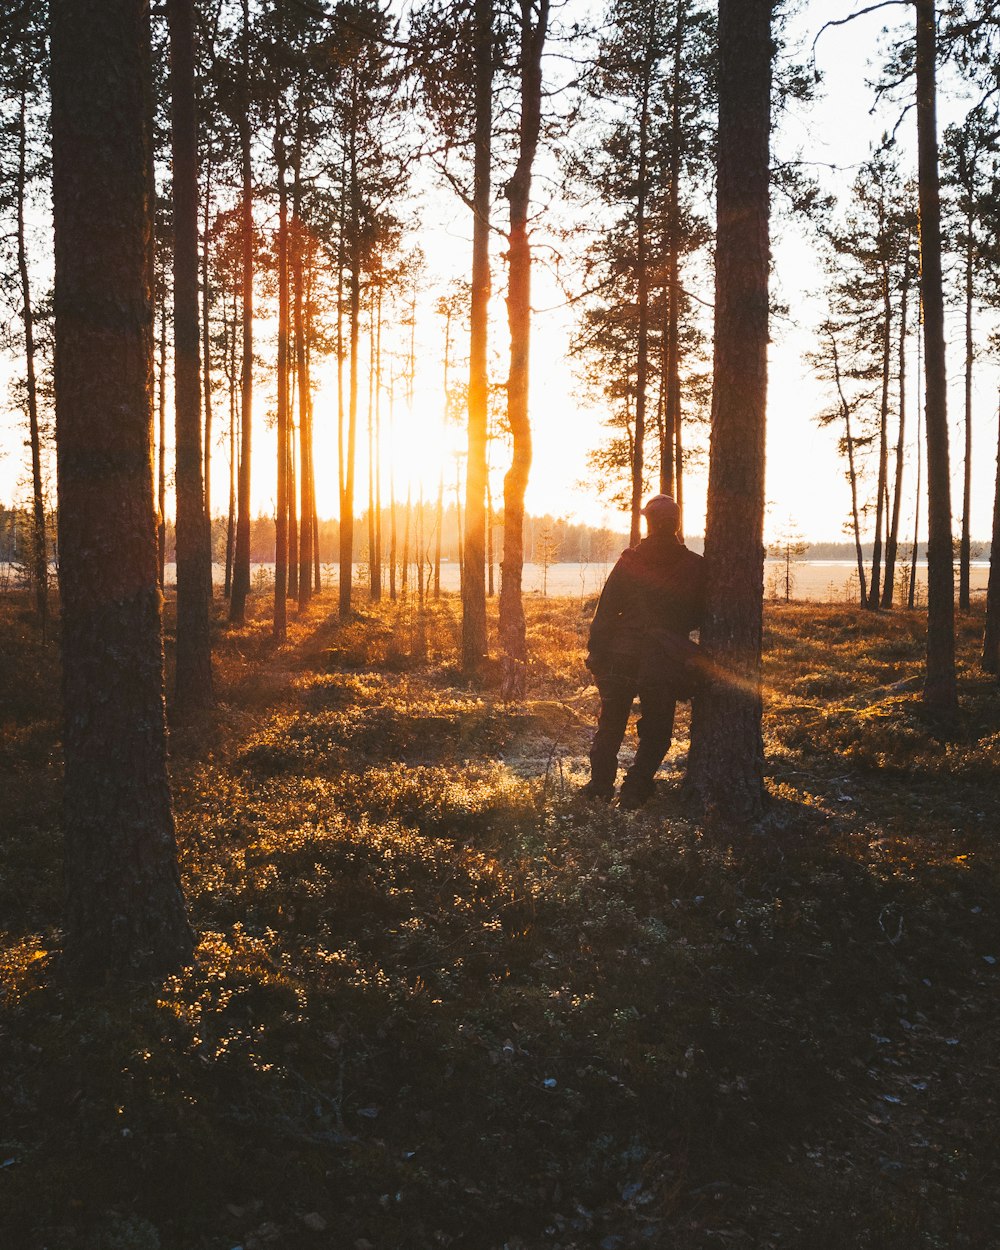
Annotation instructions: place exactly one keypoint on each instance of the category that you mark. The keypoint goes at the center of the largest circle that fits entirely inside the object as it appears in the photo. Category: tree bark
(965, 543)
(642, 284)
(375, 555)
(281, 502)
(293, 512)
(348, 455)
(892, 545)
(125, 913)
(911, 597)
(161, 459)
(206, 351)
(991, 632)
(727, 760)
(669, 467)
(193, 677)
(852, 472)
(474, 640)
(241, 557)
(229, 332)
(513, 639)
(299, 260)
(39, 546)
(940, 694)
(875, 590)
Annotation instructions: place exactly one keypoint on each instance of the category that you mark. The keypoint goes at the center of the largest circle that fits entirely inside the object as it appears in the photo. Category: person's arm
(605, 623)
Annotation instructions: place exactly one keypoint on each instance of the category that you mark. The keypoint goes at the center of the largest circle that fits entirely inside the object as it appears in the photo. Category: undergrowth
(441, 1001)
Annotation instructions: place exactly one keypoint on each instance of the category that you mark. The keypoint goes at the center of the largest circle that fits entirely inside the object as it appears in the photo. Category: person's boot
(597, 793)
(635, 792)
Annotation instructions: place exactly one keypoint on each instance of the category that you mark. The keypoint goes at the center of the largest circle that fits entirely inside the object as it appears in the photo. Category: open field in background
(820, 581)
(439, 1001)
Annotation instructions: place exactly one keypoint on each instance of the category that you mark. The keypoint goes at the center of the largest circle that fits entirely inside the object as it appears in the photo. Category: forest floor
(440, 1001)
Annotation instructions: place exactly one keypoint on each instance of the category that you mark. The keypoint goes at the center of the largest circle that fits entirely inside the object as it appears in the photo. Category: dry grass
(441, 1002)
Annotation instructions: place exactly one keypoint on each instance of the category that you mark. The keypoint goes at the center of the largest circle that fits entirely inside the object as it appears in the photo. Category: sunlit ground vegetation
(440, 1001)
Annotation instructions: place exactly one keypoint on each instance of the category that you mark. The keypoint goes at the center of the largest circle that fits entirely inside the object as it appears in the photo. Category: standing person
(640, 645)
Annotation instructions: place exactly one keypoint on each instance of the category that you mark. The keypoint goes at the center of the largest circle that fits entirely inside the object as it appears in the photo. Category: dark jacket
(654, 596)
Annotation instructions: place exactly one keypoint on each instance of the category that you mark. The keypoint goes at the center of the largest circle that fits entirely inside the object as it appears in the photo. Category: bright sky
(805, 485)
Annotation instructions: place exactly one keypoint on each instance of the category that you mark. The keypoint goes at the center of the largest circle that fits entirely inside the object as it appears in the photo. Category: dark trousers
(655, 728)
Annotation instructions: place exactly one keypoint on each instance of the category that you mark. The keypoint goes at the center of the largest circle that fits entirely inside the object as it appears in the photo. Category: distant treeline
(547, 539)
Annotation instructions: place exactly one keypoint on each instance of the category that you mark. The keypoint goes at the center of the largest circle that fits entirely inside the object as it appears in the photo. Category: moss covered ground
(440, 1001)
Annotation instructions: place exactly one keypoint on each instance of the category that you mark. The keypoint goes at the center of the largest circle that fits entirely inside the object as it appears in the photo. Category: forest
(327, 917)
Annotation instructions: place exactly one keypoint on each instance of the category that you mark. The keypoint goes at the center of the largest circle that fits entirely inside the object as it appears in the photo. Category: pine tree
(125, 907)
(726, 761)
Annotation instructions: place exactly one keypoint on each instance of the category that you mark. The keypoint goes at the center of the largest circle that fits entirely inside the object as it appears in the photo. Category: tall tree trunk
(875, 589)
(125, 909)
(161, 474)
(679, 468)
(444, 426)
(371, 456)
(375, 533)
(281, 503)
(490, 553)
(392, 525)
(375, 555)
(965, 544)
(348, 458)
(293, 482)
(341, 350)
(229, 331)
(404, 568)
(670, 471)
(458, 527)
(892, 545)
(513, 638)
(912, 595)
(940, 690)
(206, 351)
(39, 547)
(241, 559)
(727, 758)
(991, 632)
(303, 384)
(474, 639)
(642, 284)
(193, 682)
(309, 313)
(439, 527)
(852, 472)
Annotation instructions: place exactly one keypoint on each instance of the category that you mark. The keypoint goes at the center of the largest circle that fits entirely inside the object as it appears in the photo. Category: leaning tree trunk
(852, 472)
(727, 758)
(193, 678)
(241, 556)
(513, 639)
(474, 642)
(991, 633)
(125, 907)
(940, 692)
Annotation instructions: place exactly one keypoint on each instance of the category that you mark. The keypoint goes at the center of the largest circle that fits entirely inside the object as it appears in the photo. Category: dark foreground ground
(441, 1002)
